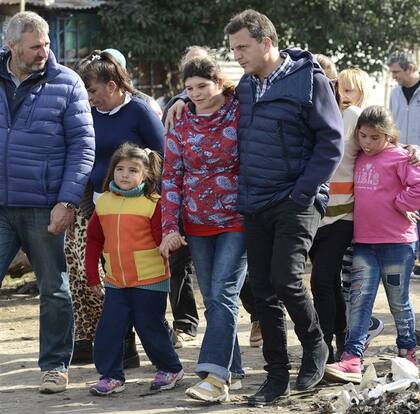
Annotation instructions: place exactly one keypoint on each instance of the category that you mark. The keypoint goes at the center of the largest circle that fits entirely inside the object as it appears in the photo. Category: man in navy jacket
(46, 155)
(290, 142)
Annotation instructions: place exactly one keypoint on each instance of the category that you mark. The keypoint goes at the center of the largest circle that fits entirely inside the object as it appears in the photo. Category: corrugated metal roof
(59, 4)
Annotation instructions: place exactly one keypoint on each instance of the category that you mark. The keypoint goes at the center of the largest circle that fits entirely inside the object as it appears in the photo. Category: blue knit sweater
(135, 122)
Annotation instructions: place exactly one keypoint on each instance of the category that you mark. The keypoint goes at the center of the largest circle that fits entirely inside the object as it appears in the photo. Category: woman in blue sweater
(120, 114)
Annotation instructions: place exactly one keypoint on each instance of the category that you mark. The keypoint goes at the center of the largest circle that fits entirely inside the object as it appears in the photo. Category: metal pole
(22, 5)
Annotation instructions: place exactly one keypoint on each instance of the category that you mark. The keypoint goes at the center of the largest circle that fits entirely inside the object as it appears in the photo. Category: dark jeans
(278, 241)
(181, 295)
(248, 300)
(146, 308)
(326, 255)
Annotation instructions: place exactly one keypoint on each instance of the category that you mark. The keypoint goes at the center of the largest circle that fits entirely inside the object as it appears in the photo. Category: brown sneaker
(255, 337)
(53, 381)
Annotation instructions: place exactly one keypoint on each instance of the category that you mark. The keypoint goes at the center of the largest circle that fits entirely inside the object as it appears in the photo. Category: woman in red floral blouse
(199, 183)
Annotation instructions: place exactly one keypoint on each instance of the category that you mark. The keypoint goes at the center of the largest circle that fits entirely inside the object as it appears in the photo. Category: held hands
(61, 218)
(171, 242)
(175, 111)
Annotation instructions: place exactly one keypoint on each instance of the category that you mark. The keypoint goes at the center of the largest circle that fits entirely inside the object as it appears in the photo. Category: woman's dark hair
(150, 162)
(207, 68)
(102, 67)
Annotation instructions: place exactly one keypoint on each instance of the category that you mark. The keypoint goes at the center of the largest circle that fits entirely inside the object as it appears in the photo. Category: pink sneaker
(349, 369)
(409, 354)
(166, 380)
(106, 386)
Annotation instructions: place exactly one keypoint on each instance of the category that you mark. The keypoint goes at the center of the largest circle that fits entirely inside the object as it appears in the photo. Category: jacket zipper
(119, 244)
(6, 152)
(284, 146)
(9, 130)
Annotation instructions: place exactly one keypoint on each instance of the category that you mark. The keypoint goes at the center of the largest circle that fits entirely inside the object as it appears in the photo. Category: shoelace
(52, 376)
(162, 376)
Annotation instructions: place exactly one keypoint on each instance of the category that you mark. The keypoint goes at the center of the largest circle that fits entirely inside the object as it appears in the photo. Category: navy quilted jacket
(47, 151)
(291, 140)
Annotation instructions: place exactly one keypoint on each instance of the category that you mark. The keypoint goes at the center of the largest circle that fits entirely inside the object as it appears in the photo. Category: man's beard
(27, 68)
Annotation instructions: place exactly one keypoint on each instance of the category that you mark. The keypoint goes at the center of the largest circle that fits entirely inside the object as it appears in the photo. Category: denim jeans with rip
(392, 263)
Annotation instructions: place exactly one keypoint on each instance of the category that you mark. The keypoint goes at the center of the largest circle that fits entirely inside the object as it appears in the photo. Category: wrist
(68, 205)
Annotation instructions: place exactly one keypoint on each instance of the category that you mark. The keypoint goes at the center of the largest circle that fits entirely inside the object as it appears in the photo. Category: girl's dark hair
(102, 67)
(206, 67)
(379, 118)
(149, 160)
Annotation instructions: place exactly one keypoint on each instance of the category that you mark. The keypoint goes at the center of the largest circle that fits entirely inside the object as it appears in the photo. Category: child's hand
(97, 290)
(171, 242)
(412, 216)
(414, 153)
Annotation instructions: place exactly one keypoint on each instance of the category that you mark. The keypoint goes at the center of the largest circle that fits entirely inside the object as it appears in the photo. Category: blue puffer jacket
(47, 152)
(291, 140)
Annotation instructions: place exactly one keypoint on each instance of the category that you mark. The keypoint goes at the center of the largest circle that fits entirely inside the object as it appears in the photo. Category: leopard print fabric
(87, 307)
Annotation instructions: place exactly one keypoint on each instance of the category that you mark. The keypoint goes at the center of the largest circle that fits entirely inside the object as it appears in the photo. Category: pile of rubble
(396, 393)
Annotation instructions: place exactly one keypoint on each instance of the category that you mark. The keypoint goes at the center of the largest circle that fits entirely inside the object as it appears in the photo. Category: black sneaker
(375, 328)
(312, 367)
(271, 391)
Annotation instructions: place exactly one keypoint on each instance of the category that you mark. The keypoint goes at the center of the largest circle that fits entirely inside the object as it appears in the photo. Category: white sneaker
(235, 384)
(210, 389)
(53, 381)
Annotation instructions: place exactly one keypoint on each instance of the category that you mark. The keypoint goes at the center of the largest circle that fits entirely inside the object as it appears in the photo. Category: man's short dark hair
(403, 58)
(258, 24)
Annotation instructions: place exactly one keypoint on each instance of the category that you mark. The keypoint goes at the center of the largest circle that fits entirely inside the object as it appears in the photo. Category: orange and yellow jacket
(127, 230)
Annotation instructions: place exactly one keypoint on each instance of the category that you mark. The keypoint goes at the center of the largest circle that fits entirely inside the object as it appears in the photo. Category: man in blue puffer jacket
(290, 142)
(46, 155)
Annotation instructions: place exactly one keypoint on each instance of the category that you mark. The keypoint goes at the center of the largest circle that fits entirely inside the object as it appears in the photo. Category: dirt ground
(19, 373)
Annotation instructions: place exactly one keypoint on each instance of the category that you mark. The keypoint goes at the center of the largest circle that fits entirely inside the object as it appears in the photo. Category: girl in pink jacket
(387, 195)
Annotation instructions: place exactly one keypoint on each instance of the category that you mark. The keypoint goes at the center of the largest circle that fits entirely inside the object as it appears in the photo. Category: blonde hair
(379, 118)
(355, 78)
(328, 66)
(150, 162)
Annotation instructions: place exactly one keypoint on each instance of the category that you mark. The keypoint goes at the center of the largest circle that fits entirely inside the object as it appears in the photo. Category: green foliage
(359, 32)
(161, 30)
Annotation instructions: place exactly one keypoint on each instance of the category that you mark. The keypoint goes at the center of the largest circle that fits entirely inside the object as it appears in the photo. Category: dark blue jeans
(391, 263)
(220, 262)
(146, 309)
(27, 228)
(278, 242)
